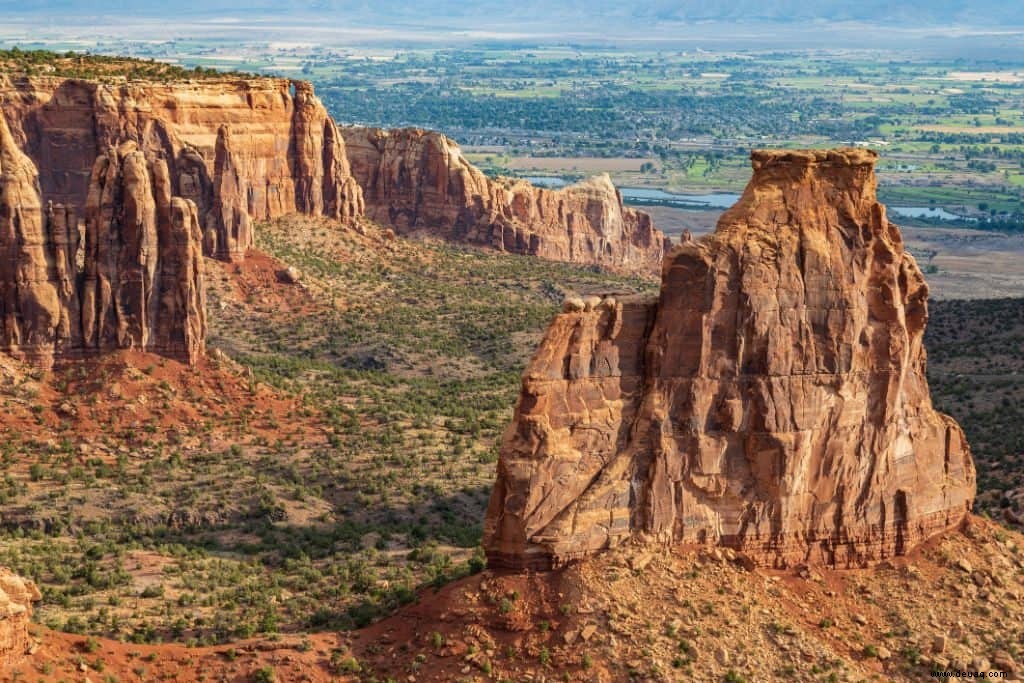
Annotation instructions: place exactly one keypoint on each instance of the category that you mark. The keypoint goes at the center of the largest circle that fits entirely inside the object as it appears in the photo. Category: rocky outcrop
(242, 150)
(418, 182)
(324, 182)
(30, 284)
(140, 285)
(251, 150)
(773, 398)
(16, 598)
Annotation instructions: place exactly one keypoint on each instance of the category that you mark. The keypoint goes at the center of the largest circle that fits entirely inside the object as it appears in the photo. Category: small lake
(933, 212)
(710, 200)
(546, 181)
(647, 195)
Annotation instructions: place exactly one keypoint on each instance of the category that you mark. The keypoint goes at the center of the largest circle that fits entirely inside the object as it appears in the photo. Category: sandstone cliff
(140, 283)
(16, 598)
(773, 399)
(241, 150)
(418, 182)
(250, 150)
(143, 286)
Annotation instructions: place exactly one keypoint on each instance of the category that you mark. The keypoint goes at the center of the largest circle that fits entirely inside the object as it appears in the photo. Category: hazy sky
(932, 12)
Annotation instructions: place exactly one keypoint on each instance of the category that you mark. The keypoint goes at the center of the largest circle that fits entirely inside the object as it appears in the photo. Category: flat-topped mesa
(812, 186)
(773, 399)
(419, 182)
(16, 598)
(243, 150)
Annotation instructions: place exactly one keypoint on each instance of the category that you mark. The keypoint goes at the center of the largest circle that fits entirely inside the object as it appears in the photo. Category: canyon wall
(149, 166)
(110, 193)
(772, 399)
(249, 150)
(420, 183)
(140, 283)
(16, 598)
(242, 150)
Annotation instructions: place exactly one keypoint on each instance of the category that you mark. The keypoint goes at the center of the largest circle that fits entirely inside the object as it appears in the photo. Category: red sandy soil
(624, 610)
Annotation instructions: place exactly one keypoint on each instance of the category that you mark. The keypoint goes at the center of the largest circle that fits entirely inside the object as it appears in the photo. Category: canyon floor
(329, 464)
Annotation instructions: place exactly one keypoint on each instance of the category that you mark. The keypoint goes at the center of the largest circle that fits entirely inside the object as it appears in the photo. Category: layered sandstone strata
(241, 150)
(33, 275)
(419, 182)
(16, 598)
(137, 284)
(773, 398)
(250, 150)
(143, 286)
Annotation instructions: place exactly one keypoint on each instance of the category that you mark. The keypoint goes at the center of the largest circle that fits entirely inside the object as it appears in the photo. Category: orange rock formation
(243, 150)
(419, 182)
(16, 598)
(772, 399)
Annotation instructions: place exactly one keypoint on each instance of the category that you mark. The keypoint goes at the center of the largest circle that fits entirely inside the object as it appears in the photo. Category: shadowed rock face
(16, 598)
(418, 182)
(140, 285)
(772, 399)
(241, 150)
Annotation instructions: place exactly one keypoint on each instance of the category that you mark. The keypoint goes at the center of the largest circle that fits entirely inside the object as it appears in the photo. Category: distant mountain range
(906, 13)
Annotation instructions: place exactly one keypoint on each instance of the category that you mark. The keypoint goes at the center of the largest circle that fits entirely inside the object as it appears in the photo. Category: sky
(591, 12)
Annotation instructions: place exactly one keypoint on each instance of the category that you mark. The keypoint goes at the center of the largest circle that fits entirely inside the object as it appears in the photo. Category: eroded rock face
(251, 150)
(16, 598)
(418, 182)
(242, 150)
(31, 283)
(143, 286)
(140, 286)
(773, 399)
(324, 182)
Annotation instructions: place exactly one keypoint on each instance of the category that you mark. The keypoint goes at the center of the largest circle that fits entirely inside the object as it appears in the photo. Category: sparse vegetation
(101, 67)
(398, 364)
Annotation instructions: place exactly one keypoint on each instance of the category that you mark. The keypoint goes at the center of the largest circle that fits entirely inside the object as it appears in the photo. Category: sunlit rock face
(772, 399)
(420, 183)
(16, 598)
(242, 150)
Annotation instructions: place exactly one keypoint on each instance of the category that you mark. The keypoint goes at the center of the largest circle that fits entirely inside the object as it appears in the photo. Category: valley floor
(640, 614)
